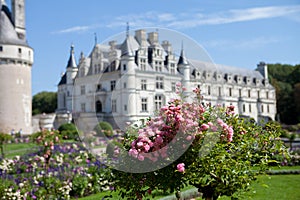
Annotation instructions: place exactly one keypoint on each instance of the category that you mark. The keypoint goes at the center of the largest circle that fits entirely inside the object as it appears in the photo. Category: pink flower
(180, 167)
(204, 127)
(178, 84)
(188, 138)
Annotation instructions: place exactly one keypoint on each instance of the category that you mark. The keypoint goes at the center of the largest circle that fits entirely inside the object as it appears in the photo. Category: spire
(182, 59)
(72, 61)
(95, 34)
(127, 29)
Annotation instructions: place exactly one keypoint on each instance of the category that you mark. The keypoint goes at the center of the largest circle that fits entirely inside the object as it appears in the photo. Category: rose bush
(208, 147)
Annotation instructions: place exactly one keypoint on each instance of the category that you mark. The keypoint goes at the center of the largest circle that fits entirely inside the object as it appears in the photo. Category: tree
(297, 99)
(285, 78)
(208, 147)
(44, 102)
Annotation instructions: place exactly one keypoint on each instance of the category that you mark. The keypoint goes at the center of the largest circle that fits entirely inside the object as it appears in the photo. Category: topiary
(104, 129)
(68, 131)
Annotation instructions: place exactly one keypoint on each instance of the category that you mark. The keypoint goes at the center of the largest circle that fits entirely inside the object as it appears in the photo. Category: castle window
(240, 92)
(143, 64)
(125, 107)
(159, 83)
(268, 108)
(99, 87)
(219, 91)
(158, 101)
(82, 90)
(112, 85)
(124, 85)
(244, 108)
(250, 108)
(144, 104)
(262, 108)
(249, 93)
(82, 107)
(114, 105)
(267, 94)
(143, 84)
(1, 48)
(208, 90)
(230, 92)
(173, 86)
(98, 106)
(124, 67)
(258, 94)
(158, 66)
(172, 68)
(19, 50)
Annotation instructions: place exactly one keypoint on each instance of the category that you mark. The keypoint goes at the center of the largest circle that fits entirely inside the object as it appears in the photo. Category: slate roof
(8, 34)
(72, 61)
(129, 46)
(63, 80)
(212, 67)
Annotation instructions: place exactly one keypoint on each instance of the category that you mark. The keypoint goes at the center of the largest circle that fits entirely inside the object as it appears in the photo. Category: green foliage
(286, 80)
(104, 129)
(3, 139)
(68, 131)
(44, 102)
(219, 161)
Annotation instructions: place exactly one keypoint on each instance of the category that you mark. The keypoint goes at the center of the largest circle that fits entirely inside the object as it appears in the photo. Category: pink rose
(204, 127)
(180, 167)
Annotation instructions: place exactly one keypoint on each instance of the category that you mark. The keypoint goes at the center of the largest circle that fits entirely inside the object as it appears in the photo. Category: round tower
(185, 69)
(16, 59)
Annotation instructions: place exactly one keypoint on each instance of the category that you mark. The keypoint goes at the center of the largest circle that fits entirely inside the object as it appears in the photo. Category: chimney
(153, 38)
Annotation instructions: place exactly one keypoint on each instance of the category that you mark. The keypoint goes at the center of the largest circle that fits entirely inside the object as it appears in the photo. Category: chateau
(16, 60)
(129, 81)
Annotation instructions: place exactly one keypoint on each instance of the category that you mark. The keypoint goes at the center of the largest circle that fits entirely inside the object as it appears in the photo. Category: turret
(71, 67)
(185, 69)
(16, 60)
(184, 66)
(128, 66)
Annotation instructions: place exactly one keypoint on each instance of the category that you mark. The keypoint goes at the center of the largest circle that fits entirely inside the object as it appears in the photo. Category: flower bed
(67, 171)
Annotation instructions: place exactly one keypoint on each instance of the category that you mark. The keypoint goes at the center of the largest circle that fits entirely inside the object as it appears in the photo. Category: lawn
(15, 149)
(275, 187)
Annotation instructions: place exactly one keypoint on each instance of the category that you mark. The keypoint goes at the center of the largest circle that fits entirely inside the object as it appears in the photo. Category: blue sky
(234, 32)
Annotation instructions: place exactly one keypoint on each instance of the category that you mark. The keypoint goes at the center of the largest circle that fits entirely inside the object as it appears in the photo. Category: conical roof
(182, 59)
(129, 46)
(8, 34)
(72, 61)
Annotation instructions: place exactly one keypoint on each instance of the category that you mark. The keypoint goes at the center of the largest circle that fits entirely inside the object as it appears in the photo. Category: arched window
(98, 106)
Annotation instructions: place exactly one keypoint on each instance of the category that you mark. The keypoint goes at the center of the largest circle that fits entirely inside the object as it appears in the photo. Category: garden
(188, 150)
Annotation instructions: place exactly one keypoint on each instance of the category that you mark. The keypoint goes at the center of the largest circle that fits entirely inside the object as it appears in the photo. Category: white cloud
(251, 43)
(78, 29)
(237, 15)
(193, 18)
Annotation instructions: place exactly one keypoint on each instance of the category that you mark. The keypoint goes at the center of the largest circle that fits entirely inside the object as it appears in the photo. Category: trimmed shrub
(104, 129)
(68, 131)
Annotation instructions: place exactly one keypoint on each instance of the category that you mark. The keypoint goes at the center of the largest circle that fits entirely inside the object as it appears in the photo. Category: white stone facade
(127, 82)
